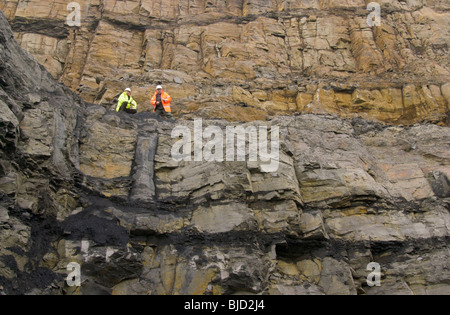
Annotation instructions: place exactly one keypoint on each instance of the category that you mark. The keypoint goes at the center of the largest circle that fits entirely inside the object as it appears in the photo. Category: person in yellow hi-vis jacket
(126, 103)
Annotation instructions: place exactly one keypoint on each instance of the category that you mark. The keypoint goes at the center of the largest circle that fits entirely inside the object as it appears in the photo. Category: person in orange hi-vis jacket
(161, 101)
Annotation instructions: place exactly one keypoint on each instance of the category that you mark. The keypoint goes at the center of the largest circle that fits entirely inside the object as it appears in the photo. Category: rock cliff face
(249, 60)
(82, 184)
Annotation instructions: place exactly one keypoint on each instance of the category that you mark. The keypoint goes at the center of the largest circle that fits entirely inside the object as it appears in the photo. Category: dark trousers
(124, 108)
(161, 112)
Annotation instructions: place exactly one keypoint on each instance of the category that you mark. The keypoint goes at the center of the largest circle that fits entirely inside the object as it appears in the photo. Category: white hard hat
(128, 90)
(159, 87)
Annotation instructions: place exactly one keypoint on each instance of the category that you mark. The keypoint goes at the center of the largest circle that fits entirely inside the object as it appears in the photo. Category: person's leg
(131, 111)
(170, 116)
(161, 112)
(158, 112)
(123, 107)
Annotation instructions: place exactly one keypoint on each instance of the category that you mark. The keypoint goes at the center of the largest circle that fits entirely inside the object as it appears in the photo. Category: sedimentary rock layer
(82, 184)
(249, 60)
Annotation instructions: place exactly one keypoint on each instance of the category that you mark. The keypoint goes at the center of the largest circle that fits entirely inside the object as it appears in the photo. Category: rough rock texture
(249, 60)
(81, 183)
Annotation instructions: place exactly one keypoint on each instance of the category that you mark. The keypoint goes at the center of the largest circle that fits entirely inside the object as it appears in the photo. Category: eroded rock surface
(249, 60)
(82, 184)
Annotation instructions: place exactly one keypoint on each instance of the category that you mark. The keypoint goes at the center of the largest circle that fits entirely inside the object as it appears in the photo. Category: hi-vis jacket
(128, 99)
(165, 99)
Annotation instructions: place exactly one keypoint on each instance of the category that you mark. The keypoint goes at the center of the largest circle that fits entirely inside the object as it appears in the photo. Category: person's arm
(134, 103)
(167, 99)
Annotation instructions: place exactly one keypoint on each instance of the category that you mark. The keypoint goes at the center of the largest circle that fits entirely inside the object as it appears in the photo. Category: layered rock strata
(82, 184)
(249, 60)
